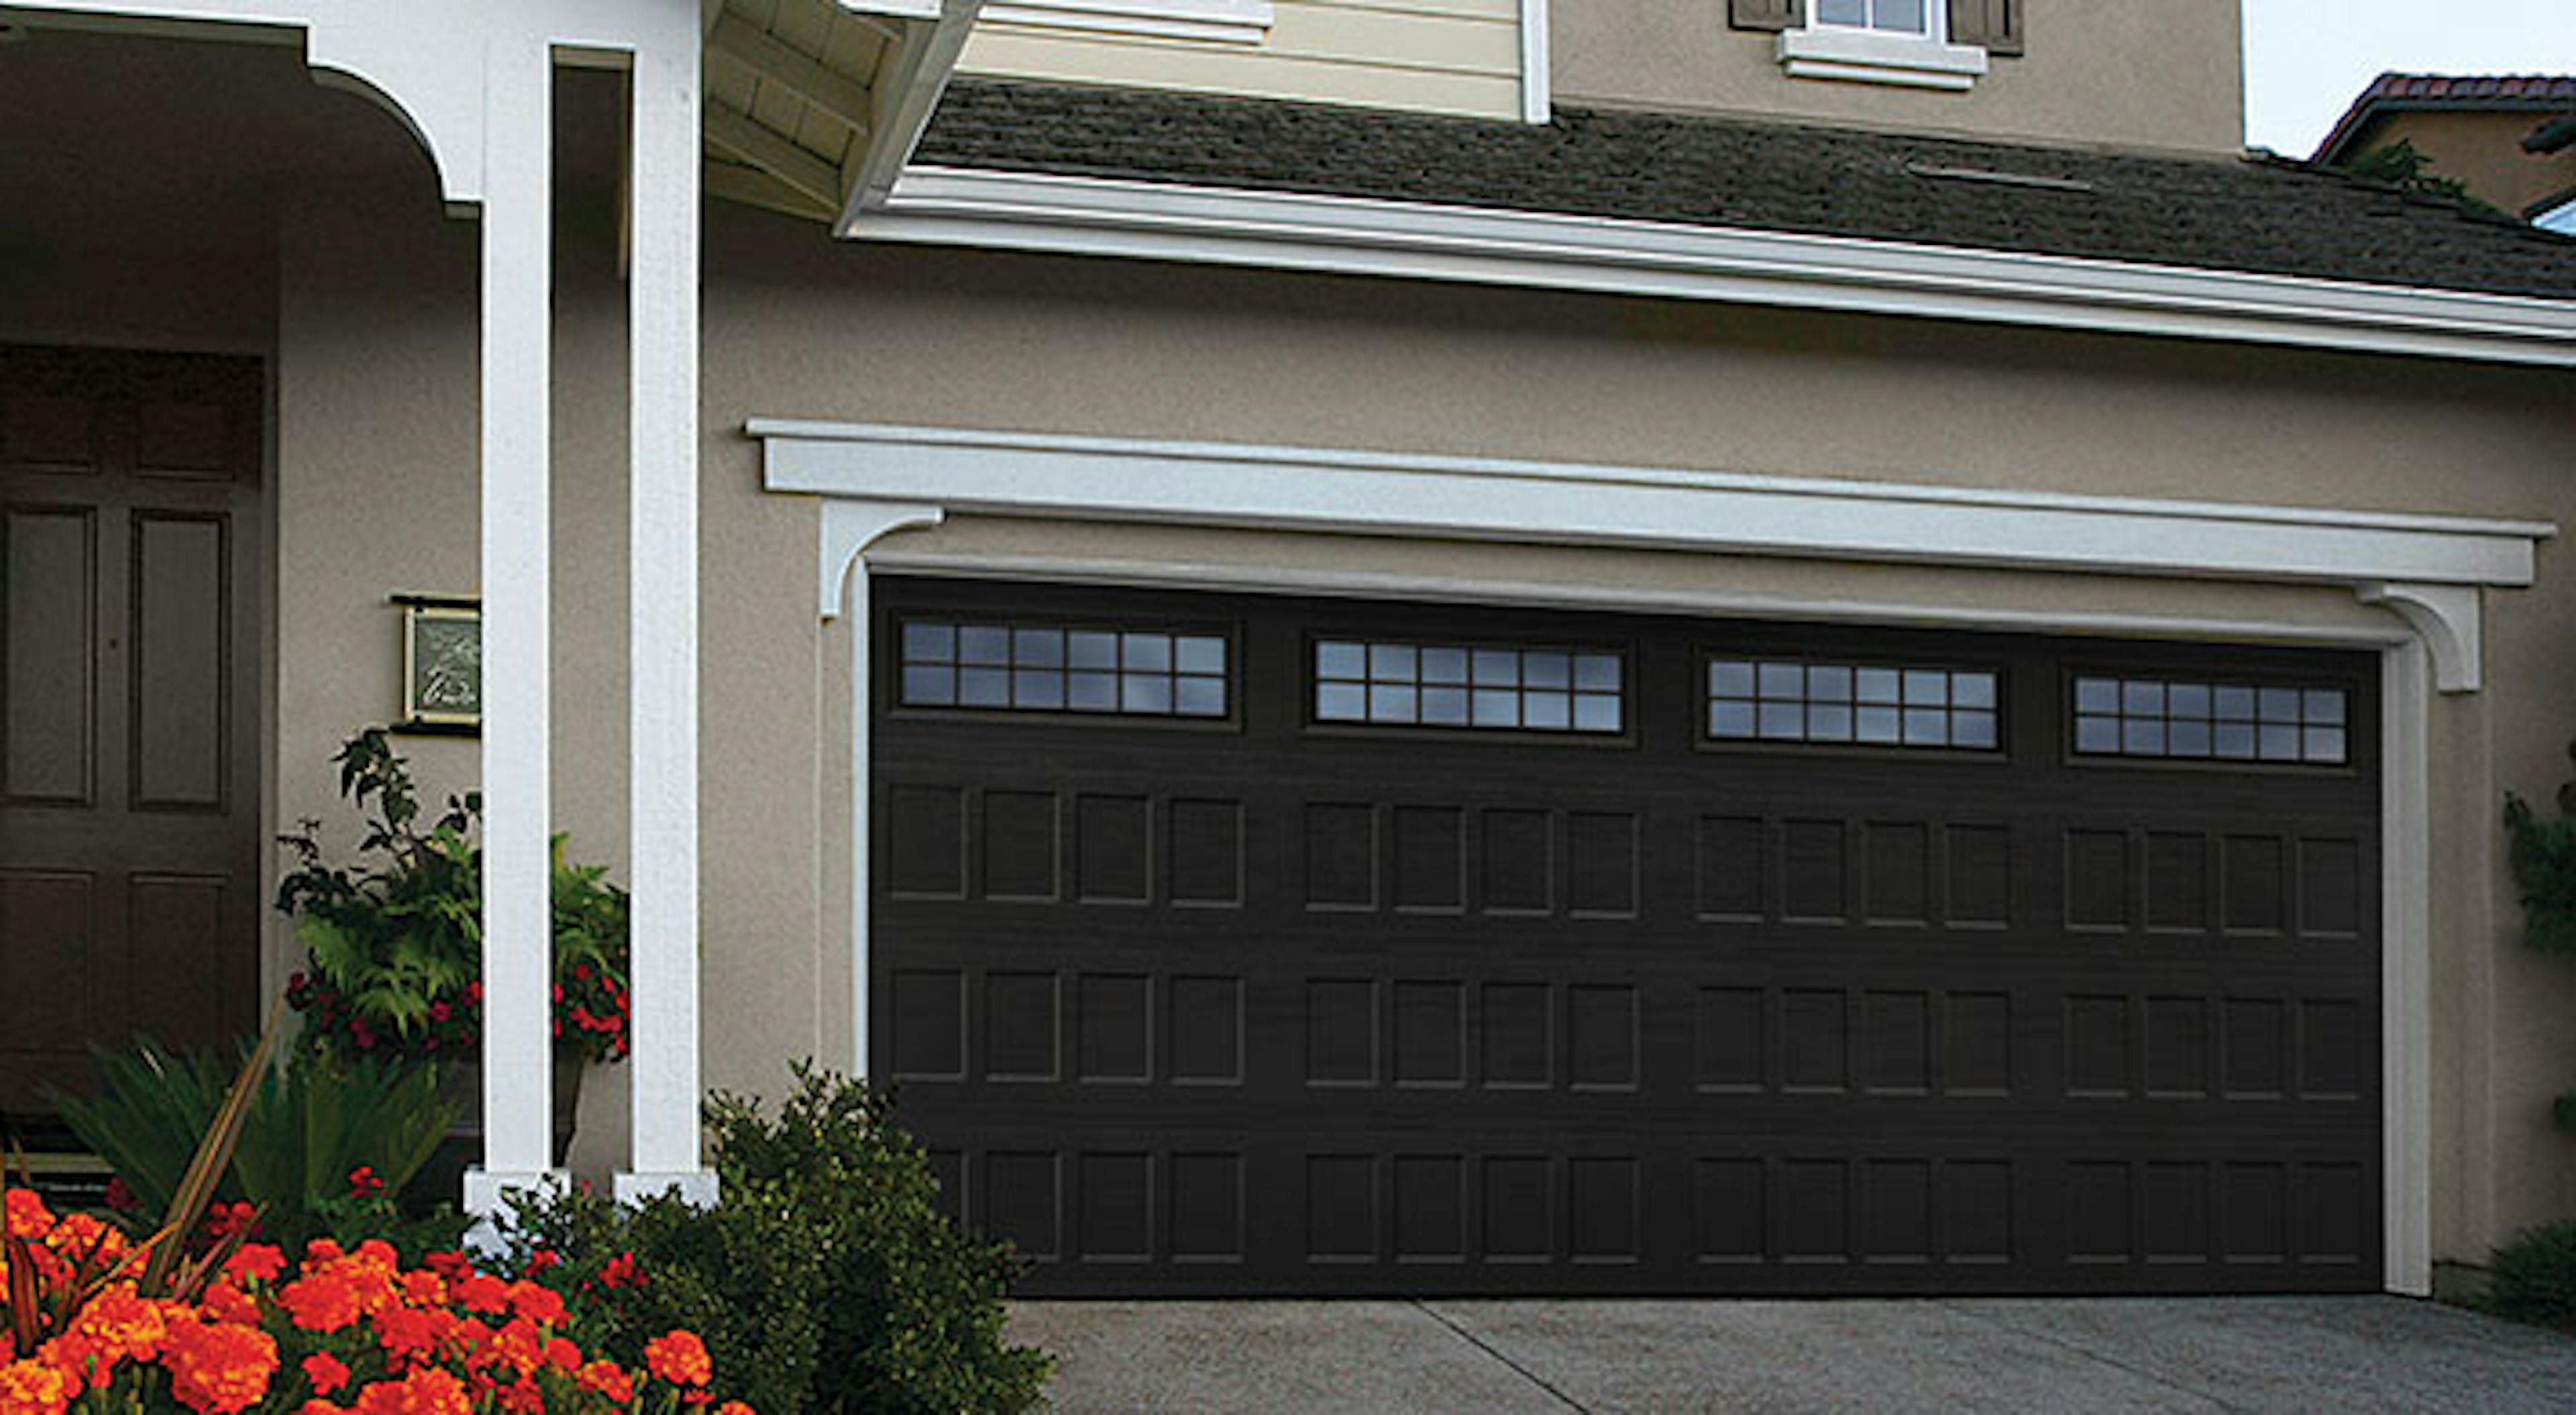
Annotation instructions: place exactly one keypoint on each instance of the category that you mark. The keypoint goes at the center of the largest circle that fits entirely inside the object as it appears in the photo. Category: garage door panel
(1259, 1004)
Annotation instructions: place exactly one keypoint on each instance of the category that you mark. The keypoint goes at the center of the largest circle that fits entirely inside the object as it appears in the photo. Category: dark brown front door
(1243, 944)
(130, 575)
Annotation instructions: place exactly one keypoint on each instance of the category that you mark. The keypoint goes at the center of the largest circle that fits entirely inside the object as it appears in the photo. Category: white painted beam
(752, 187)
(911, 75)
(738, 41)
(738, 133)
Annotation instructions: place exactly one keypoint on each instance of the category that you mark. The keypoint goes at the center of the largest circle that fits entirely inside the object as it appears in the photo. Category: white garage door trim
(2428, 569)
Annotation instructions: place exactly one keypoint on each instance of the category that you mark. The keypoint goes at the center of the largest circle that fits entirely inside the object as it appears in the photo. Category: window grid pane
(1392, 683)
(1838, 704)
(1044, 668)
(2152, 717)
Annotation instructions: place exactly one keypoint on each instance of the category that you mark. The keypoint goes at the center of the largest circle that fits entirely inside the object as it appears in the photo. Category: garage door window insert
(1850, 704)
(2152, 717)
(1050, 668)
(1386, 683)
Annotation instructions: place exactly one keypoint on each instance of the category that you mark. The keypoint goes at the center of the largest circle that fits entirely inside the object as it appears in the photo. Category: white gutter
(1356, 236)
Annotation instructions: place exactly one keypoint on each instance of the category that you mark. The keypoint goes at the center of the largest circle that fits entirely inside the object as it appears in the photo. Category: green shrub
(827, 1282)
(2535, 1277)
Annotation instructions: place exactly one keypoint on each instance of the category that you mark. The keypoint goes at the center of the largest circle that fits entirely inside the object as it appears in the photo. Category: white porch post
(517, 907)
(662, 605)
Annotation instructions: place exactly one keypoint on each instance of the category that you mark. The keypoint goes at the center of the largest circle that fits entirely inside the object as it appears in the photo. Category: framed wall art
(442, 664)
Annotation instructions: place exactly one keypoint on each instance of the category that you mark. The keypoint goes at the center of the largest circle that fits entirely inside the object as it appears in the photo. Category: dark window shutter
(1766, 14)
(1992, 25)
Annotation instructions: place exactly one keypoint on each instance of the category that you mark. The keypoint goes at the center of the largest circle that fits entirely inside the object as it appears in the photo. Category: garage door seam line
(1524, 1372)
(2089, 1354)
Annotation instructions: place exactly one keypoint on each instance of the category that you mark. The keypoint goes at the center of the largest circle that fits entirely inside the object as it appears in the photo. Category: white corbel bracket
(2446, 618)
(849, 528)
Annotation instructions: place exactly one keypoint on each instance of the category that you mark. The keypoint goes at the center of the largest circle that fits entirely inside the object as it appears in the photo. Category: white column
(662, 604)
(517, 910)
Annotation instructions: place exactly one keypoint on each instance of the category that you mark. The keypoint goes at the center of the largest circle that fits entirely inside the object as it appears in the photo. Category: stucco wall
(2165, 75)
(2483, 151)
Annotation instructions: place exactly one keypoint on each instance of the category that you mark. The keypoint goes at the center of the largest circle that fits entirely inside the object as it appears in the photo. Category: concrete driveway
(1505, 1357)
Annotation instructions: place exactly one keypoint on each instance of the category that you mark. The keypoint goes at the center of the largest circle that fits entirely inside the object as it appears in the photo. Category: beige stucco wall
(2483, 152)
(2166, 75)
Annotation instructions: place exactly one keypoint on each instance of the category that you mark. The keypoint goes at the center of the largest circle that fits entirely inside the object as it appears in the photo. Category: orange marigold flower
(116, 1325)
(518, 1345)
(319, 1406)
(80, 1237)
(321, 1251)
(427, 1391)
(226, 1303)
(422, 1288)
(482, 1292)
(33, 1387)
(562, 1354)
(408, 1335)
(522, 1397)
(679, 1358)
(607, 1380)
(733, 1407)
(542, 1305)
(220, 1369)
(256, 1262)
(326, 1372)
(28, 1217)
(451, 1265)
(322, 1302)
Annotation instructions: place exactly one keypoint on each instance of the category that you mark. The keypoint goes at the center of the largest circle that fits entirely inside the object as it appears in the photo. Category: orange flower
(422, 1288)
(222, 1369)
(319, 1407)
(733, 1407)
(326, 1372)
(542, 1305)
(227, 1303)
(33, 1387)
(116, 1326)
(28, 1217)
(679, 1358)
(562, 1354)
(427, 1391)
(407, 1335)
(483, 1293)
(322, 1302)
(256, 1262)
(523, 1397)
(607, 1380)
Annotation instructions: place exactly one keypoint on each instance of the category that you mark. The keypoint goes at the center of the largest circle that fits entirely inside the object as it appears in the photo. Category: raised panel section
(1517, 1028)
(1814, 1040)
(1206, 1030)
(1022, 1031)
(2097, 880)
(1019, 846)
(2334, 1209)
(1600, 864)
(1024, 1202)
(2177, 1212)
(183, 441)
(929, 1024)
(2256, 886)
(2177, 1047)
(1815, 1211)
(1430, 859)
(1519, 868)
(1113, 845)
(47, 962)
(1897, 870)
(1812, 872)
(2255, 1039)
(47, 433)
(1730, 868)
(1341, 1208)
(1729, 1045)
(1341, 1032)
(1896, 1222)
(1206, 852)
(1113, 1027)
(180, 711)
(1731, 1210)
(1206, 1222)
(1430, 1209)
(1976, 1212)
(1430, 1034)
(2177, 882)
(2331, 1044)
(1980, 875)
(48, 651)
(1341, 856)
(948, 1167)
(2097, 1046)
(1601, 1036)
(1601, 1225)
(1117, 1208)
(1977, 1059)
(1518, 1208)
(1897, 1043)
(2330, 888)
(2257, 1217)
(2099, 1223)
(926, 842)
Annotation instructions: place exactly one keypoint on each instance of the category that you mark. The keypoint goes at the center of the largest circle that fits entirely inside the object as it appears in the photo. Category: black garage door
(1253, 944)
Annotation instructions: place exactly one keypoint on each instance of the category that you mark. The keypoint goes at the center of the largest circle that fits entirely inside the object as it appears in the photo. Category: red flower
(121, 1198)
(325, 1372)
(544, 1260)
(483, 1293)
(541, 1305)
(679, 1358)
(226, 1220)
(256, 1262)
(622, 1271)
(474, 992)
(364, 1184)
(439, 1012)
(453, 1266)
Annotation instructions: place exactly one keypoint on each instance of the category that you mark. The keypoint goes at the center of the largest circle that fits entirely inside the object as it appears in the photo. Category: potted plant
(394, 946)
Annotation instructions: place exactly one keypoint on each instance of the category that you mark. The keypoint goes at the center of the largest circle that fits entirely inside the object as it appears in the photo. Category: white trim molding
(1215, 21)
(1358, 236)
(878, 479)
(1881, 57)
(1538, 102)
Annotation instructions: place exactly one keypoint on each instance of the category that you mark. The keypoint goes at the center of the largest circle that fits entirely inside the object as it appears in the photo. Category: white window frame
(1861, 54)
(1218, 21)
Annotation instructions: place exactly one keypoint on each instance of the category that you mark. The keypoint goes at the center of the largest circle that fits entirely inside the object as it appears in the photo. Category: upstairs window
(1934, 44)
(1912, 17)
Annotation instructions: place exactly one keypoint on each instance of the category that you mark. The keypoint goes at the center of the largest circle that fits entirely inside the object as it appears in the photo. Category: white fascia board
(1313, 489)
(1216, 21)
(1359, 236)
(909, 80)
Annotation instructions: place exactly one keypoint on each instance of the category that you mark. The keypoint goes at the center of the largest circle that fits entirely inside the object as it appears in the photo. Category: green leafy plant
(828, 1280)
(395, 941)
(2404, 166)
(321, 1145)
(2534, 1277)
(2543, 854)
